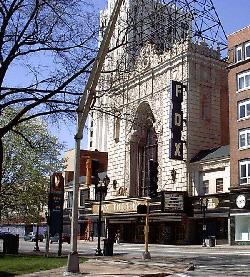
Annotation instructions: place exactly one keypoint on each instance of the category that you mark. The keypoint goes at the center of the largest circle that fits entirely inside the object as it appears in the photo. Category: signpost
(56, 199)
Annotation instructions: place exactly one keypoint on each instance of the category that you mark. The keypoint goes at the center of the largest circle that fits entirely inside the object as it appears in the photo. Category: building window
(244, 138)
(238, 53)
(206, 187)
(82, 198)
(247, 50)
(244, 172)
(205, 107)
(70, 199)
(117, 126)
(219, 185)
(244, 109)
(242, 228)
(243, 80)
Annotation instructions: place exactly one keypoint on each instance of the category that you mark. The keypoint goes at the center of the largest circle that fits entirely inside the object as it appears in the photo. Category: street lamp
(47, 235)
(101, 188)
(203, 205)
(36, 248)
(86, 101)
(146, 254)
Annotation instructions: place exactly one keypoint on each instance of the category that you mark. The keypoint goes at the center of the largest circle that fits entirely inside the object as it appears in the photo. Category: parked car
(5, 234)
(55, 238)
(32, 237)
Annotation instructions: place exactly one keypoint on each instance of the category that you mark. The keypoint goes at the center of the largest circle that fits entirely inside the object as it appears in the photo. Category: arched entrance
(143, 148)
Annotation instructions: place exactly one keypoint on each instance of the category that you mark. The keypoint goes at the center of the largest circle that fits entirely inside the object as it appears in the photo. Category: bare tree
(54, 43)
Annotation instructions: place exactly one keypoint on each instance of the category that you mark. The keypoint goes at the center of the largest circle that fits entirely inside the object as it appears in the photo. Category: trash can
(108, 247)
(10, 244)
(211, 241)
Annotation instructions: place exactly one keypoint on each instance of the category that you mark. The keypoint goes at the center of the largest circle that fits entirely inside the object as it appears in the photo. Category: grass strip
(11, 265)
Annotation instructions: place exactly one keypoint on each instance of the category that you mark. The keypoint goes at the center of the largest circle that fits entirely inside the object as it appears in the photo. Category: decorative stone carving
(148, 54)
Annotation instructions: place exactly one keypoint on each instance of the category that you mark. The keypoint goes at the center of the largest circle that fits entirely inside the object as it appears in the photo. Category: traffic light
(153, 178)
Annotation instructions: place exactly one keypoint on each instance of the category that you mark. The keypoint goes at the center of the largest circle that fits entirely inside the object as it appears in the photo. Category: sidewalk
(122, 267)
(167, 264)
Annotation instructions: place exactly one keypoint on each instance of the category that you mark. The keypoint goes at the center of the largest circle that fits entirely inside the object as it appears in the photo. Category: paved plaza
(166, 260)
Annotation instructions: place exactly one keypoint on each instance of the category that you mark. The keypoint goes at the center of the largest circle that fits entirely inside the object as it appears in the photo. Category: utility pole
(83, 109)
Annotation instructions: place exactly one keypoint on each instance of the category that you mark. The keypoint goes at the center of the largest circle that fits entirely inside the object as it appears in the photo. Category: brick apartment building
(239, 107)
(87, 223)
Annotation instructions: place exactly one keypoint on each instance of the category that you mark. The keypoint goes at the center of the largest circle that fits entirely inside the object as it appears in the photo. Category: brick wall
(235, 39)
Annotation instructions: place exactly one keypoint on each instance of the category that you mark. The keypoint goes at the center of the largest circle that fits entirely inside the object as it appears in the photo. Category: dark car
(55, 238)
(66, 238)
(32, 237)
(5, 234)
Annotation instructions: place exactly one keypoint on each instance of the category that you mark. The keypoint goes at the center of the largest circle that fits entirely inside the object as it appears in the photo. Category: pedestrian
(92, 235)
(117, 237)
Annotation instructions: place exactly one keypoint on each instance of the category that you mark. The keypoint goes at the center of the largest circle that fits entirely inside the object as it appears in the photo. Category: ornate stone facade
(146, 94)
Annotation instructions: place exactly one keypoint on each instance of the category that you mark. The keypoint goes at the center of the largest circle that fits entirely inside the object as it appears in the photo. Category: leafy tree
(31, 155)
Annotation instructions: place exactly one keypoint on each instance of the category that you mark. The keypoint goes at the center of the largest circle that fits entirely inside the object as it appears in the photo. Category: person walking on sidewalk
(117, 237)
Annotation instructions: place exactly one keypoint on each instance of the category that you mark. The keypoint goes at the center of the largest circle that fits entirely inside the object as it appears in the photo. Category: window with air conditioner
(244, 167)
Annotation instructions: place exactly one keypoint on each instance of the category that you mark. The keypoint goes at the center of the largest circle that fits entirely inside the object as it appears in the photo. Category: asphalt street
(208, 261)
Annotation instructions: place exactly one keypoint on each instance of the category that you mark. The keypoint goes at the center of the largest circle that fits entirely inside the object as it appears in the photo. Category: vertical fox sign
(176, 119)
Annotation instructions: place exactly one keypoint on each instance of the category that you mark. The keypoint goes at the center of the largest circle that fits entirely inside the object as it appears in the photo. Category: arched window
(143, 147)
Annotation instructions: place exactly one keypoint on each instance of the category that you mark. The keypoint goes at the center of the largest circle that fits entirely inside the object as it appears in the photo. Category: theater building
(171, 104)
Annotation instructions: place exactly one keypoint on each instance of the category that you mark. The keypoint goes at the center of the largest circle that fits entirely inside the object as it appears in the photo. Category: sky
(234, 15)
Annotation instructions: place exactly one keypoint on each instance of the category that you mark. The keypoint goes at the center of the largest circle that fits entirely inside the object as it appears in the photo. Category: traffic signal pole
(83, 109)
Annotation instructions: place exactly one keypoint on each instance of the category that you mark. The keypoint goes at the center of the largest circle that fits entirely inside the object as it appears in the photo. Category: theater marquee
(176, 144)
(113, 207)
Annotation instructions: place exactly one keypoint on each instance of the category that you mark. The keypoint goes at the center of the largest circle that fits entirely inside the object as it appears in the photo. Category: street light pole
(146, 255)
(86, 101)
(47, 235)
(98, 251)
(36, 248)
(102, 189)
(203, 203)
